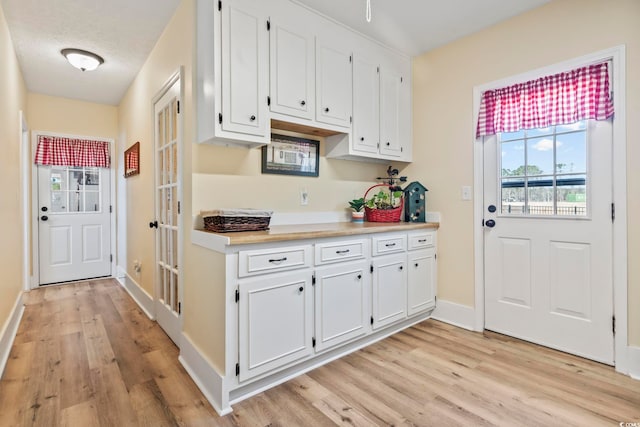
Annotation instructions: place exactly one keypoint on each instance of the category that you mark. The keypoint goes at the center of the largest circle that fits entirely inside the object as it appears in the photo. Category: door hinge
(372, 320)
(178, 105)
(313, 342)
(268, 25)
(350, 58)
(613, 212)
(179, 308)
(220, 118)
(435, 256)
(350, 119)
(378, 70)
(268, 101)
(401, 149)
(111, 258)
(219, 4)
(613, 324)
(313, 279)
(371, 268)
(178, 207)
(237, 295)
(110, 209)
(237, 369)
(401, 79)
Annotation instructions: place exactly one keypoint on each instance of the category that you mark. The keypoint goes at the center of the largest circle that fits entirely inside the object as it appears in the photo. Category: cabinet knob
(416, 264)
(359, 276)
(362, 138)
(326, 110)
(401, 268)
(301, 288)
(303, 103)
(388, 144)
(252, 118)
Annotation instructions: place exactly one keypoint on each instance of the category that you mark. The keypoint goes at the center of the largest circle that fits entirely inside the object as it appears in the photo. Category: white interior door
(168, 193)
(548, 244)
(74, 224)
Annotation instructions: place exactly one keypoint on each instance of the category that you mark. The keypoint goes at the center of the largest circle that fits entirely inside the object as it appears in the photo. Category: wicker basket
(228, 220)
(383, 215)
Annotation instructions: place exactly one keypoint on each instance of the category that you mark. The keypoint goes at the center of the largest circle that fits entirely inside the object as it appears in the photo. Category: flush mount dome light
(82, 59)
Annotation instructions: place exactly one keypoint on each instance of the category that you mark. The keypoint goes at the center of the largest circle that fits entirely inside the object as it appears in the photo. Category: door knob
(153, 224)
(44, 217)
(44, 209)
(491, 208)
(490, 223)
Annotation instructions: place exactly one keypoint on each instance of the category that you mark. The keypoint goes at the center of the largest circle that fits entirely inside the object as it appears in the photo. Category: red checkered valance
(552, 100)
(52, 150)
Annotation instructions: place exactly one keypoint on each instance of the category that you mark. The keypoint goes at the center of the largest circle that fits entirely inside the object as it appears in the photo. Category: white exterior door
(74, 224)
(548, 241)
(168, 150)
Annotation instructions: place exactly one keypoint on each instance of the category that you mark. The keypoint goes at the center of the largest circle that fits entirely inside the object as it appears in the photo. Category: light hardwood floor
(85, 355)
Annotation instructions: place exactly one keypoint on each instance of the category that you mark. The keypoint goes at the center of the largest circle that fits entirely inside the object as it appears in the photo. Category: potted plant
(357, 215)
(385, 205)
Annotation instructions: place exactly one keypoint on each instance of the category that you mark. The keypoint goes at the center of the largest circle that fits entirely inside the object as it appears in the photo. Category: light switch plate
(466, 192)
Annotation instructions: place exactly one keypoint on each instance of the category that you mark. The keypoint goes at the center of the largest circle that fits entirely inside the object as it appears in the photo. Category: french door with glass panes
(548, 237)
(74, 224)
(168, 193)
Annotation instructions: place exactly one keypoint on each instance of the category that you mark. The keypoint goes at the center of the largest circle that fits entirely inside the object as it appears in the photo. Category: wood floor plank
(86, 355)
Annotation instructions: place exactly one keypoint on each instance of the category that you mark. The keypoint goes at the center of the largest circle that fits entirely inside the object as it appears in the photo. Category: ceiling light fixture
(367, 13)
(82, 59)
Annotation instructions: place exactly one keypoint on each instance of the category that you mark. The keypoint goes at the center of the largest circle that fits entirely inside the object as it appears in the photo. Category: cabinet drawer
(389, 244)
(264, 261)
(341, 251)
(421, 240)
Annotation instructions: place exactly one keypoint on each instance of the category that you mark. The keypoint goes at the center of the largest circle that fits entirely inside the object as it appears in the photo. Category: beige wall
(69, 116)
(135, 114)
(443, 125)
(13, 99)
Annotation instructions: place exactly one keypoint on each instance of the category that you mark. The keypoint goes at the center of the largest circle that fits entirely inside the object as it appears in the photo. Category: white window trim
(617, 55)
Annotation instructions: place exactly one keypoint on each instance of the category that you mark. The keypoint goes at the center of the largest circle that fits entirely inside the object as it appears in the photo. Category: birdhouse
(415, 202)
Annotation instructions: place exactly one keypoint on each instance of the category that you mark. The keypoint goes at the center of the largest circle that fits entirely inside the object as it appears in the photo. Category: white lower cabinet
(342, 303)
(389, 289)
(421, 281)
(275, 324)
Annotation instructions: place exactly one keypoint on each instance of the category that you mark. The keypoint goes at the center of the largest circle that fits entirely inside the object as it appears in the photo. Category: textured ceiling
(123, 32)
(416, 26)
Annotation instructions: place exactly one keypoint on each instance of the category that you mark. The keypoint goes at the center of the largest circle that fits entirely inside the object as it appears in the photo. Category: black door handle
(153, 224)
(490, 223)
(491, 208)
(44, 217)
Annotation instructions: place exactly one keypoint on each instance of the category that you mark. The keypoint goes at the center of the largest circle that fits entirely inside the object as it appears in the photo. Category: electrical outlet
(304, 197)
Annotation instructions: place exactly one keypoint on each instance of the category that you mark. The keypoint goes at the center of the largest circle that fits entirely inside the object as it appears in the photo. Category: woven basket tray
(383, 215)
(224, 221)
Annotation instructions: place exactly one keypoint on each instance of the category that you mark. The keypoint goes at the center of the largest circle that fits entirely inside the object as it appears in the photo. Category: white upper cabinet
(366, 100)
(333, 83)
(245, 59)
(390, 111)
(292, 69)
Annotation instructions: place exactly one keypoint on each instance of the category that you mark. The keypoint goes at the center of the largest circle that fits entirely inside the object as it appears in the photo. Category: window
(544, 171)
(75, 189)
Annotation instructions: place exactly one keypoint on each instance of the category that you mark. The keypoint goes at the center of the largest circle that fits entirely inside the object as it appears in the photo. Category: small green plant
(385, 200)
(357, 204)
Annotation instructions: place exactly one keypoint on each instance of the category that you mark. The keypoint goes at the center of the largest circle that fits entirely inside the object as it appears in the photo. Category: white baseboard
(139, 295)
(634, 362)
(120, 272)
(9, 330)
(455, 314)
(208, 380)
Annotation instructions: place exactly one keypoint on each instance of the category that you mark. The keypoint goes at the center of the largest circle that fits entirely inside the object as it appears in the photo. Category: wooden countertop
(280, 233)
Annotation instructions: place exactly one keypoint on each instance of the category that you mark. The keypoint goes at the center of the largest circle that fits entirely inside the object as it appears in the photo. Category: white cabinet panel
(275, 322)
(340, 251)
(271, 260)
(333, 83)
(366, 105)
(389, 289)
(421, 240)
(342, 303)
(292, 70)
(390, 110)
(421, 281)
(389, 244)
(245, 59)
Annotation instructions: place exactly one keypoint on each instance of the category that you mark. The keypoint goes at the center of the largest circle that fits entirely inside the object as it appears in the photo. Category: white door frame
(25, 186)
(618, 57)
(35, 278)
(178, 75)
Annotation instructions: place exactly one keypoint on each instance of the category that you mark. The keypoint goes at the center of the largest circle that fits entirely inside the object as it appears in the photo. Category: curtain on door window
(559, 99)
(59, 151)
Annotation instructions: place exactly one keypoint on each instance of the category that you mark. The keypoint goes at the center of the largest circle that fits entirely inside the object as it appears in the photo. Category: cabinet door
(390, 110)
(275, 322)
(421, 283)
(389, 289)
(366, 105)
(292, 70)
(333, 84)
(245, 67)
(342, 303)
